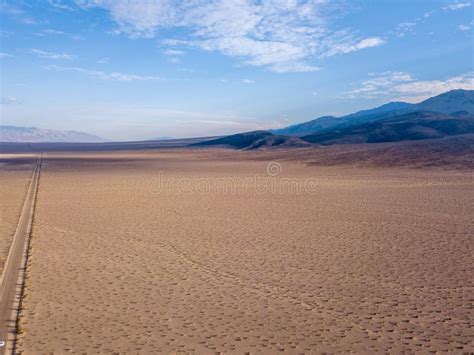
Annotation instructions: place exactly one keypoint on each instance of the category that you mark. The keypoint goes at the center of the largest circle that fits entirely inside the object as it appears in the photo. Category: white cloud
(283, 36)
(404, 87)
(174, 60)
(429, 13)
(379, 84)
(5, 55)
(456, 6)
(60, 5)
(173, 55)
(103, 60)
(136, 18)
(51, 55)
(294, 68)
(8, 100)
(248, 81)
(173, 52)
(53, 32)
(404, 28)
(114, 76)
(464, 28)
(5, 34)
(349, 47)
(419, 90)
(16, 13)
(174, 42)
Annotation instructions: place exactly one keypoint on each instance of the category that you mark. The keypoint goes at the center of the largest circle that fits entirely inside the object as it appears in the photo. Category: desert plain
(15, 173)
(211, 251)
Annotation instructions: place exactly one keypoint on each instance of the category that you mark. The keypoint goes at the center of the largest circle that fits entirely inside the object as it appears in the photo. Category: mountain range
(447, 103)
(448, 114)
(416, 125)
(255, 140)
(445, 115)
(36, 135)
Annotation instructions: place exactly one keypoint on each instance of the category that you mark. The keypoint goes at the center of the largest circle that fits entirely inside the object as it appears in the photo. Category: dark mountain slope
(391, 106)
(449, 102)
(326, 122)
(238, 141)
(277, 141)
(411, 126)
(254, 140)
(303, 129)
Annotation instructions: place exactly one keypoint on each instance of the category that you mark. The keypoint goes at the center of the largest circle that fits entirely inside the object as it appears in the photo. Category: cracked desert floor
(220, 252)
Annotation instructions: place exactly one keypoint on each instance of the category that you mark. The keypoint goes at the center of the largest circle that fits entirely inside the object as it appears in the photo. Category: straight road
(12, 278)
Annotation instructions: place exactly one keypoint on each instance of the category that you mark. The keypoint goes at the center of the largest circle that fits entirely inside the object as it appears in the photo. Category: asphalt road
(11, 280)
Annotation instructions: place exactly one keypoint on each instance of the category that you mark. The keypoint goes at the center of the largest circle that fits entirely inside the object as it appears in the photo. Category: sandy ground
(149, 253)
(14, 181)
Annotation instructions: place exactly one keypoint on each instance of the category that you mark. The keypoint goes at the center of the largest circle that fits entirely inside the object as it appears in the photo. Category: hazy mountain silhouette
(33, 134)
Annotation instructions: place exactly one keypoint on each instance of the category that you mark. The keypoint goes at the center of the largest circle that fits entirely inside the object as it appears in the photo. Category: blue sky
(143, 69)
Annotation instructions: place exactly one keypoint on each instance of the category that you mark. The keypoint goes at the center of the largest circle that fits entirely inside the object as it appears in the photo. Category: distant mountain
(328, 122)
(302, 129)
(239, 141)
(254, 140)
(34, 135)
(162, 138)
(416, 125)
(390, 107)
(449, 102)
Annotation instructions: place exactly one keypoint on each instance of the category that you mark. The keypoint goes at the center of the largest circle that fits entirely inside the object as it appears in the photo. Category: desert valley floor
(211, 251)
